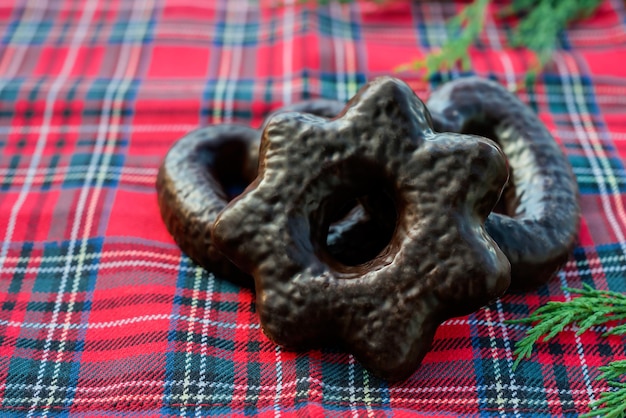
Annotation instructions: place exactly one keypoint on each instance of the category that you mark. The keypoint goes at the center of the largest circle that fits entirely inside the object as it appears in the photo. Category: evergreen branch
(613, 403)
(613, 371)
(539, 29)
(591, 308)
(463, 29)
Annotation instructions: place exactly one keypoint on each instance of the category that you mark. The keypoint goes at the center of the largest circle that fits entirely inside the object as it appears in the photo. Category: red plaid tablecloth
(101, 314)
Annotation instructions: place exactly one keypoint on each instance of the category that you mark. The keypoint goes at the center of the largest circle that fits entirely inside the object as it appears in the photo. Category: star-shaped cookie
(439, 262)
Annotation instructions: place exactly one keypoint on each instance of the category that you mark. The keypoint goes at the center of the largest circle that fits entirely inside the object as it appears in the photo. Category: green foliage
(538, 29)
(591, 308)
(611, 404)
(463, 30)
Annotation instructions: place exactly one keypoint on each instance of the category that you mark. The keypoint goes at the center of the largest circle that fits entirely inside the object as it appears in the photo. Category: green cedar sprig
(463, 30)
(538, 29)
(611, 404)
(540, 23)
(591, 308)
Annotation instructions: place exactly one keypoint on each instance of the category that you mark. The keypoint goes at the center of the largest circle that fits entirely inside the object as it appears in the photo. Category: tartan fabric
(100, 313)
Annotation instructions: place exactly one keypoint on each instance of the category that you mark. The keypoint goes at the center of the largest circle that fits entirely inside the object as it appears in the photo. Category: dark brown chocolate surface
(439, 262)
(203, 171)
(541, 216)
(193, 184)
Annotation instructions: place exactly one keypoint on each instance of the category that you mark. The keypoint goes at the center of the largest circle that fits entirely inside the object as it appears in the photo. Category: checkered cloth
(101, 314)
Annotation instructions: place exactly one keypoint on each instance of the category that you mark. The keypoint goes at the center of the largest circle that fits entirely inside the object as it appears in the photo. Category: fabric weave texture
(101, 314)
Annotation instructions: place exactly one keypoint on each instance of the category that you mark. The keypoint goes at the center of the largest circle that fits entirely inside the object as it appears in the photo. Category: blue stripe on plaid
(248, 31)
(187, 373)
(125, 30)
(55, 261)
(588, 183)
(243, 92)
(28, 32)
(610, 264)
(31, 379)
(99, 87)
(330, 81)
(328, 25)
(114, 166)
(9, 93)
(429, 25)
(556, 83)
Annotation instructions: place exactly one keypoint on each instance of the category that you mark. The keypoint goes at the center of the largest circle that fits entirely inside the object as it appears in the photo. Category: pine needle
(540, 23)
(539, 29)
(591, 308)
(613, 403)
(463, 29)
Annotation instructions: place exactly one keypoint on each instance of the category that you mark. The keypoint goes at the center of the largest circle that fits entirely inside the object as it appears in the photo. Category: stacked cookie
(368, 225)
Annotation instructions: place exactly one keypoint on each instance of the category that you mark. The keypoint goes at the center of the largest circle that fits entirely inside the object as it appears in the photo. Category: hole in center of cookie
(231, 167)
(362, 228)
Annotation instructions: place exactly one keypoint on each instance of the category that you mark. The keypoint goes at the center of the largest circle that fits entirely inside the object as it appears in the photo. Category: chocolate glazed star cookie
(438, 263)
(540, 216)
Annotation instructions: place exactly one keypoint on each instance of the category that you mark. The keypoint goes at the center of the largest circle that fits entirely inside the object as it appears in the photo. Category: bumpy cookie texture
(439, 262)
(540, 217)
(202, 172)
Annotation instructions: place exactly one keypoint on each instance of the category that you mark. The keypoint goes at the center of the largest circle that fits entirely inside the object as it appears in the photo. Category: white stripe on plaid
(34, 162)
(21, 38)
(68, 63)
(399, 395)
(185, 397)
(230, 61)
(397, 392)
(156, 89)
(279, 382)
(241, 17)
(589, 141)
(229, 325)
(59, 174)
(129, 321)
(206, 321)
(111, 103)
(340, 70)
(501, 402)
(288, 41)
(351, 389)
(494, 40)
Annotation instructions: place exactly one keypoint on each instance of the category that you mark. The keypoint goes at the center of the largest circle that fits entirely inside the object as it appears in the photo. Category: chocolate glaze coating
(192, 189)
(541, 218)
(203, 171)
(439, 263)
